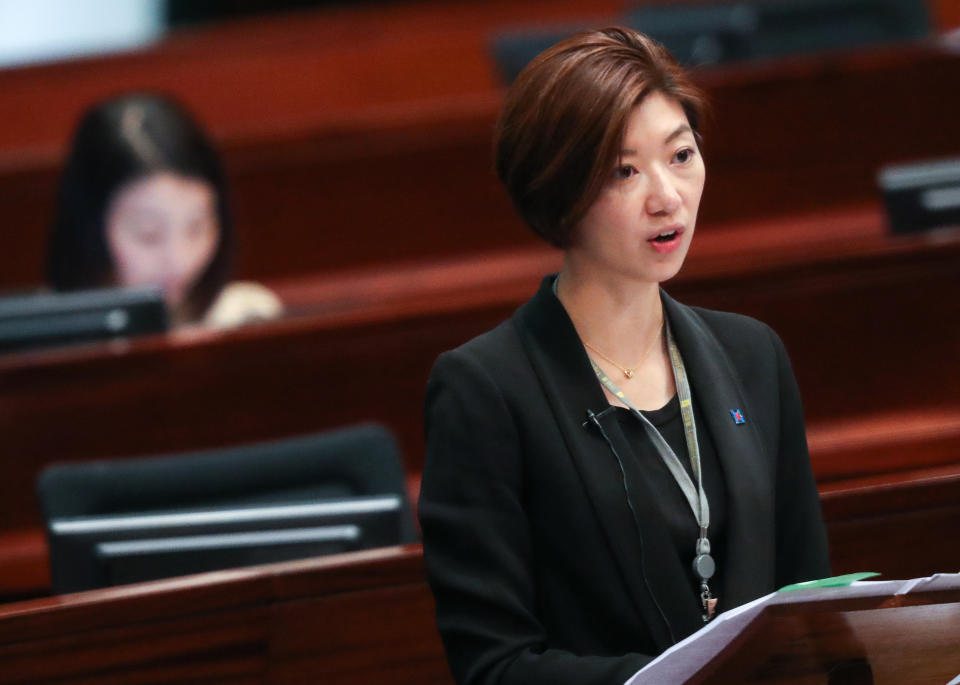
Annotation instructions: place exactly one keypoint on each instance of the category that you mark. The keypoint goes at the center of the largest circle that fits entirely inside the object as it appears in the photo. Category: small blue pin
(737, 416)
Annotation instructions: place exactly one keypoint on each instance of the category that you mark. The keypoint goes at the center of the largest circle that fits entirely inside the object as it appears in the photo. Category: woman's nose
(663, 196)
(177, 258)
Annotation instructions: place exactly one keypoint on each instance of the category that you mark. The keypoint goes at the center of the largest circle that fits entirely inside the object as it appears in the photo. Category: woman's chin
(662, 272)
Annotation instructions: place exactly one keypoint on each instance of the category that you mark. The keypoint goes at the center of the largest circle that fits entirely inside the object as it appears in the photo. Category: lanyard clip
(708, 602)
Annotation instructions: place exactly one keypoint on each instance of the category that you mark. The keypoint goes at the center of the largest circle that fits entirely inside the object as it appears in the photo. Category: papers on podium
(929, 608)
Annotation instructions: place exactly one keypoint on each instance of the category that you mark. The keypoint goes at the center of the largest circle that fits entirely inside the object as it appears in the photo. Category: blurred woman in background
(143, 201)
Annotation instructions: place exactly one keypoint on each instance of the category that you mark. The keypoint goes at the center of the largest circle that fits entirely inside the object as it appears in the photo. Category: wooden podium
(879, 633)
(350, 619)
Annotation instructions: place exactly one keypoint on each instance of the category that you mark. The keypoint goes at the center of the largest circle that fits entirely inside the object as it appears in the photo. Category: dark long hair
(118, 141)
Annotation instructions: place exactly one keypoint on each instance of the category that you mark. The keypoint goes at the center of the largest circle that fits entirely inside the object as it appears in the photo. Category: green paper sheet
(835, 581)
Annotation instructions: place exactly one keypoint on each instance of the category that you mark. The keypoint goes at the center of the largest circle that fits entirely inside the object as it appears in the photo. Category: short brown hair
(564, 119)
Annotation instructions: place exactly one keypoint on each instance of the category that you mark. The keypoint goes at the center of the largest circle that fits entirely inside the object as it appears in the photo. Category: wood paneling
(869, 320)
(328, 120)
(352, 619)
(895, 523)
(358, 139)
(362, 137)
(849, 318)
(946, 13)
(361, 618)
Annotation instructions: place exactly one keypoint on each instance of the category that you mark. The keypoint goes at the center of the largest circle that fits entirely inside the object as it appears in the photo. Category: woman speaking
(609, 468)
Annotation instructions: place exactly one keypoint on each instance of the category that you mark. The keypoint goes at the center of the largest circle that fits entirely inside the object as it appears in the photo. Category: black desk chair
(120, 521)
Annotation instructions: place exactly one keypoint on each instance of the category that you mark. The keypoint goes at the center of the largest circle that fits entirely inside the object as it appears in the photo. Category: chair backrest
(713, 33)
(716, 33)
(359, 461)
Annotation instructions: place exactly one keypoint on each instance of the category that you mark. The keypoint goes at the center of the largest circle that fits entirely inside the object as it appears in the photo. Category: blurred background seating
(712, 33)
(356, 141)
(327, 493)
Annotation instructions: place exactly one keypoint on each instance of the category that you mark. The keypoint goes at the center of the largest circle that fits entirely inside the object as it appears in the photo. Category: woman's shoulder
(731, 324)
(496, 358)
(243, 302)
(502, 350)
(489, 350)
(742, 336)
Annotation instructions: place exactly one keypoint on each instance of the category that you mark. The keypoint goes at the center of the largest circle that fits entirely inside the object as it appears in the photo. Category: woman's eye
(625, 172)
(685, 155)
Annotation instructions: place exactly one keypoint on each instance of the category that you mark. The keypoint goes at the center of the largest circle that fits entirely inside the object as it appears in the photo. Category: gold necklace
(628, 371)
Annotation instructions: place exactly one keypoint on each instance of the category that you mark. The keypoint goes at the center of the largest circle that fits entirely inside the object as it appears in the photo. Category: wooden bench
(864, 316)
(361, 619)
(361, 137)
(369, 617)
(900, 524)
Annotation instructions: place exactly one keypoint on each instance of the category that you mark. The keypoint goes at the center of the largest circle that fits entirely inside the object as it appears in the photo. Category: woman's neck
(619, 316)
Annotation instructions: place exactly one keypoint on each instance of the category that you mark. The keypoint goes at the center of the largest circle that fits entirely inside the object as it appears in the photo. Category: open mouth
(666, 241)
(664, 237)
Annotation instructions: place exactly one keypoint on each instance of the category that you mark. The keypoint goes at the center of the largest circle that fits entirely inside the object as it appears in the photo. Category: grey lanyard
(703, 564)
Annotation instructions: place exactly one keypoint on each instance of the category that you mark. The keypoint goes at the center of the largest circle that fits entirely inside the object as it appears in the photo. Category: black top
(678, 519)
(541, 570)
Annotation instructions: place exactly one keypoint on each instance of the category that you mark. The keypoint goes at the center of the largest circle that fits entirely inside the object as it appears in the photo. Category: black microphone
(594, 417)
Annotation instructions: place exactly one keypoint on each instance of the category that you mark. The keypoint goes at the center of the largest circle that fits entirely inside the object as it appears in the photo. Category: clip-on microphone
(594, 417)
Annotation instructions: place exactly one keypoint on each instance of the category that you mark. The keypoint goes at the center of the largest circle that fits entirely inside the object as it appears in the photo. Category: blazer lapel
(748, 473)
(571, 388)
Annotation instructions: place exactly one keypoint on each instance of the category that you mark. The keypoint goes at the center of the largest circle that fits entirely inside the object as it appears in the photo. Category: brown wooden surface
(358, 619)
(946, 13)
(846, 300)
(364, 618)
(897, 524)
(871, 327)
(358, 137)
(870, 321)
(908, 638)
(329, 121)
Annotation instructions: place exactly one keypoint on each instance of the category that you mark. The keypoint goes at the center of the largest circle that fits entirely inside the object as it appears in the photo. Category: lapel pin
(737, 416)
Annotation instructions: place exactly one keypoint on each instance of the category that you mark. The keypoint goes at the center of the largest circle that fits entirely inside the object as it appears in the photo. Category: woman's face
(162, 230)
(641, 224)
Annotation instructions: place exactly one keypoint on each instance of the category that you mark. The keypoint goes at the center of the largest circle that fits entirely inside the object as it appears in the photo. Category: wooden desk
(329, 121)
(891, 518)
(369, 617)
(870, 322)
(871, 327)
(899, 524)
(358, 619)
(360, 137)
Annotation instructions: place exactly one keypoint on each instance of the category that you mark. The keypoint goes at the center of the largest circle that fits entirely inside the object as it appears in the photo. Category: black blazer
(542, 570)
